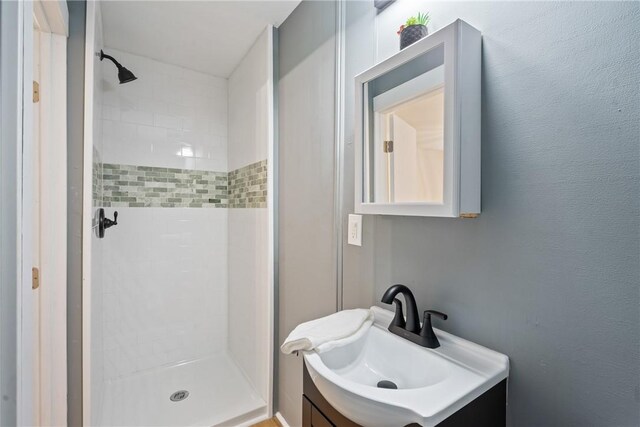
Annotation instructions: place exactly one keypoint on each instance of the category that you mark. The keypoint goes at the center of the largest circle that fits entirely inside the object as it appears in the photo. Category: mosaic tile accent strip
(145, 186)
(248, 186)
(96, 182)
(116, 185)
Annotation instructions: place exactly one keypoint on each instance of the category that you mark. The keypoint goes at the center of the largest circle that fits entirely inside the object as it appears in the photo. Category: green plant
(419, 19)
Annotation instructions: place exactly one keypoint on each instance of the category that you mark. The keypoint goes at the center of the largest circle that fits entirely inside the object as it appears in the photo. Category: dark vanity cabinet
(316, 411)
(488, 410)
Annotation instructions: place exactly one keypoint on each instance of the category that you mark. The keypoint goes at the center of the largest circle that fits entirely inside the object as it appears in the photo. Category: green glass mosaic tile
(146, 186)
(116, 185)
(248, 186)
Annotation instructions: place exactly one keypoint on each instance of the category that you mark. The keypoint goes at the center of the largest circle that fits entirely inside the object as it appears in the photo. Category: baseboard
(282, 420)
(246, 420)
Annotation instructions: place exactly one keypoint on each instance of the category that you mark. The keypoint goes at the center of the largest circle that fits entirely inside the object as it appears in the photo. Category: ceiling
(207, 36)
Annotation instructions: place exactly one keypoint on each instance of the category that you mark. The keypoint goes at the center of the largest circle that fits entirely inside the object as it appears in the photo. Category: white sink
(432, 384)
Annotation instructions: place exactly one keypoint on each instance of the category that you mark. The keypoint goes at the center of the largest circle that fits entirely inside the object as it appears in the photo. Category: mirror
(408, 145)
(404, 132)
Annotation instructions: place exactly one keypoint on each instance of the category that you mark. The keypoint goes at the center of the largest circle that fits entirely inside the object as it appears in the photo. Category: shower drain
(179, 395)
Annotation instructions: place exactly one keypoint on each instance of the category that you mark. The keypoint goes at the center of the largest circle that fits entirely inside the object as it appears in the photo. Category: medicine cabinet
(417, 133)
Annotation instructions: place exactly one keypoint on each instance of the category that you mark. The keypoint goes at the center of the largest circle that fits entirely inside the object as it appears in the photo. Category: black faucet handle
(398, 319)
(430, 338)
(435, 313)
(427, 329)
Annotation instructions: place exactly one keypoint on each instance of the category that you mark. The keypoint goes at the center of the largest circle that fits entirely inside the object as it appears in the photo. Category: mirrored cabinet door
(412, 128)
(407, 144)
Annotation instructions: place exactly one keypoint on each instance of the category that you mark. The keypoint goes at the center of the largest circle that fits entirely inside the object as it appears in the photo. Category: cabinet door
(319, 420)
(306, 412)
(312, 417)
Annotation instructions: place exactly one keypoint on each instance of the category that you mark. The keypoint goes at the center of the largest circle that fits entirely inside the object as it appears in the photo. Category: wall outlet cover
(355, 230)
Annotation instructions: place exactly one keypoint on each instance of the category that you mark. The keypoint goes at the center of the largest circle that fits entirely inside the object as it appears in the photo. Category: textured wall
(75, 129)
(306, 125)
(357, 274)
(549, 273)
(9, 48)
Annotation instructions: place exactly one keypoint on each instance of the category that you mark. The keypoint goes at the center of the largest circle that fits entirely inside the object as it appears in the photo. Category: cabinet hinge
(35, 278)
(36, 91)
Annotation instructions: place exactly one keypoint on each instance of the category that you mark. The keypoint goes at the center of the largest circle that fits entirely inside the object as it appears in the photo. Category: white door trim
(27, 346)
(51, 22)
(52, 16)
(53, 230)
(21, 352)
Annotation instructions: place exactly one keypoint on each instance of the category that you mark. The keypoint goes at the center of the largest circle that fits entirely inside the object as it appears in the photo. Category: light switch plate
(355, 230)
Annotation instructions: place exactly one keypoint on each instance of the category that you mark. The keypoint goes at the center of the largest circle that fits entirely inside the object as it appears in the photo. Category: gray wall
(358, 274)
(307, 278)
(75, 132)
(9, 202)
(549, 273)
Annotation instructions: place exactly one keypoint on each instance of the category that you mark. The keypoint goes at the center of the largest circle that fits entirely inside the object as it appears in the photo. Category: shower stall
(178, 232)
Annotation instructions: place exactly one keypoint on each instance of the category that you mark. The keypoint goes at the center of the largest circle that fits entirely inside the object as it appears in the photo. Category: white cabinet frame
(462, 88)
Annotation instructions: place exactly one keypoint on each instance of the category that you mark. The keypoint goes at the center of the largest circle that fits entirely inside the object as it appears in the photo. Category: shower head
(124, 75)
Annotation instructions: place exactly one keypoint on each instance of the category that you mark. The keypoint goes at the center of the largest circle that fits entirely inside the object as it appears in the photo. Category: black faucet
(410, 329)
(389, 296)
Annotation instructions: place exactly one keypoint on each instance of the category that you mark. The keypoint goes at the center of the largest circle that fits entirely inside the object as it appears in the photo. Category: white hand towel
(323, 334)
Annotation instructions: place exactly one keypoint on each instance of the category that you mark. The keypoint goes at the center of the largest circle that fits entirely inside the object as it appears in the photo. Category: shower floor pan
(218, 394)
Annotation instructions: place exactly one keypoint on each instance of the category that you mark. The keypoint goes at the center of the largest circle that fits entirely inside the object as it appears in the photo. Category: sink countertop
(432, 383)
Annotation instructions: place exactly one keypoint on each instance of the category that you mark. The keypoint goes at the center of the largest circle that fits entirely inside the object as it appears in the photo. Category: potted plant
(414, 29)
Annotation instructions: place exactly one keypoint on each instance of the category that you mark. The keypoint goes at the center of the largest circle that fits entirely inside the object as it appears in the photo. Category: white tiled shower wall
(164, 269)
(248, 228)
(169, 117)
(165, 288)
(96, 299)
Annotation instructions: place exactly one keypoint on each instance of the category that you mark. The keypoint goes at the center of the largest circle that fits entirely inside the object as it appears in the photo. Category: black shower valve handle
(110, 223)
(104, 222)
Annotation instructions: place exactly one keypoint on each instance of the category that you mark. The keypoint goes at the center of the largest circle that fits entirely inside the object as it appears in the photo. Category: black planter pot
(412, 34)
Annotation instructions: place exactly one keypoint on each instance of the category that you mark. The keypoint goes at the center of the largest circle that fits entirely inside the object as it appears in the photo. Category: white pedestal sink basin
(432, 384)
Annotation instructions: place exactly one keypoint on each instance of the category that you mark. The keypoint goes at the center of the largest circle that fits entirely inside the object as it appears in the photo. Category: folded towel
(344, 341)
(328, 332)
